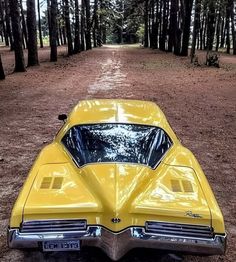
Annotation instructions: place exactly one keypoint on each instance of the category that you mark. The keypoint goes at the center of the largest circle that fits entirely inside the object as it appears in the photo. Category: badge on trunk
(115, 220)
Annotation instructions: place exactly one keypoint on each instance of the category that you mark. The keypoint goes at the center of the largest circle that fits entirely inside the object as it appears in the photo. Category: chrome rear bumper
(115, 245)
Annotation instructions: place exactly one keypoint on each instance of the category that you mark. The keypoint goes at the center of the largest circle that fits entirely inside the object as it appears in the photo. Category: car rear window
(118, 143)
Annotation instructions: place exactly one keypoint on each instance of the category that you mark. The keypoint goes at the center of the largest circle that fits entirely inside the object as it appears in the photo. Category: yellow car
(117, 177)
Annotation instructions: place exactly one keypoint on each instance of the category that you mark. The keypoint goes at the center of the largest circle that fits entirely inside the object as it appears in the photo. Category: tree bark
(101, 7)
(211, 25)
(222, 33)
(95, 27)
(196, 27)
(53, 35)
(232, 26)
(146, 40)
(32, 34)
(24, 27)
(2, 74)
(49, 20)
(77, 46)
(173, 25)
(160, 23)
(17, 36)
(39, 25)
(204, 42)
(64, 35)
(102, 37)
(58, 36)
(227, 27)
(88, 25)
(188, 5)
(82, 25)
(3, 24)
(178, 32)
(201, 33)
(163, 35)
(218, 25)
(152, 23)
(155, 26)
(8, 23)
(68, 27)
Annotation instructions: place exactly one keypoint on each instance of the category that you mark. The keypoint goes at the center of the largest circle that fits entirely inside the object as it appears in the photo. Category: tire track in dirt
(111, 77)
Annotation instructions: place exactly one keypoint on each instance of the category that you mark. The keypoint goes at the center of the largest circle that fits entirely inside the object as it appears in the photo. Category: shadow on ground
(96, 255)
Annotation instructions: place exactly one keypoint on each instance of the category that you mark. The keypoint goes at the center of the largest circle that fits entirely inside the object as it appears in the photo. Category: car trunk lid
(132, 193)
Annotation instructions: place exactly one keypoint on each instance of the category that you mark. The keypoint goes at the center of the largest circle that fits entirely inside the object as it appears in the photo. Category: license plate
(61, 245)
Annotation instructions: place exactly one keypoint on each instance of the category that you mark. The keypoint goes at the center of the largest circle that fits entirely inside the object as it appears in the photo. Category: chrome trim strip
(179, 229)
(53, 225)
(116, 245)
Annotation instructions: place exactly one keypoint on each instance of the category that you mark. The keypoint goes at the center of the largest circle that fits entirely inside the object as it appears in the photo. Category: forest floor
(199, 102)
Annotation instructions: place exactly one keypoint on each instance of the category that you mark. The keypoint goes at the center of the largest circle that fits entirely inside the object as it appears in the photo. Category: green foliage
(140, 32)
(125, 19)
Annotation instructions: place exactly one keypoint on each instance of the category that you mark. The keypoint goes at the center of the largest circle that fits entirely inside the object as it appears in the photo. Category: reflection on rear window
(121, 143)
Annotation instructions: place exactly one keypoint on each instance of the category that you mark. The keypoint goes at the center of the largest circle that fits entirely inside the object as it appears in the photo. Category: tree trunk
(32, 34)
(3, 25)
(173, 25)
(198, 40)
(68, 27)
(222, 33)
(88, 25)
(227, 27)
(77, 29)
(152, 24)
(160, 23)
(82, 25)
(53, 26)
(39, 25)
(146, 40)
(155, 26)
(60, 33)
(64, 35)
(204, 34)
(49, 20)
(101, 7)
(17, 36)
(211, 25)
(157, 22)
(232, 26)
(58, 36)
(95, 27)
(104, 34)
(188, 5)
(201, 33)
(120, 22)
(102, 27)
(178, 33)
(163, 36)
(24, 28)
(218, 29)
(2, 74)
(196, 27)
(8, 23)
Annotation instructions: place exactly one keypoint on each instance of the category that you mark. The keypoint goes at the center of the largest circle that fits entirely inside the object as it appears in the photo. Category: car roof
(117, 111)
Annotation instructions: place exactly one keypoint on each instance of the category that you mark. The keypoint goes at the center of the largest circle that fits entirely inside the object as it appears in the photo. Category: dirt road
(199, 102)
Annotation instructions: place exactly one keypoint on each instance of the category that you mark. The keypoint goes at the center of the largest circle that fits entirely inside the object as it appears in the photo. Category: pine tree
(53, 30)
(68, 27)
(2, 74)
(17, 36)
(32, 34)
